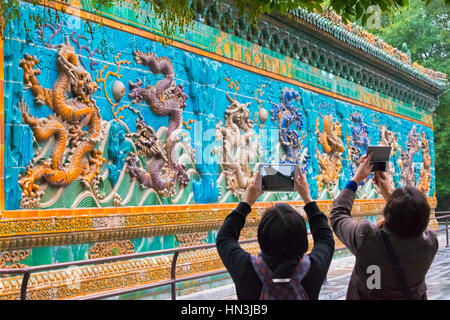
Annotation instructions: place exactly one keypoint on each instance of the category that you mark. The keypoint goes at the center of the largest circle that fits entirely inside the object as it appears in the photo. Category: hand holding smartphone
(380, 157)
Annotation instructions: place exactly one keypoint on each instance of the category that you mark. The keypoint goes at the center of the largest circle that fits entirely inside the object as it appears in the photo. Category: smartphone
(380, 157)
(278, 177)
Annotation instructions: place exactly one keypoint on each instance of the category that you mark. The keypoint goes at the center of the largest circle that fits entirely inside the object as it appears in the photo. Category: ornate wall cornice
(314, 40)
(81, 281)
(341, 58)
(344, 36)
(51, 231)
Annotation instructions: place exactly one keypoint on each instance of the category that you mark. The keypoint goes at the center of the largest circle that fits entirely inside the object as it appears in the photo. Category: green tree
(426, 31)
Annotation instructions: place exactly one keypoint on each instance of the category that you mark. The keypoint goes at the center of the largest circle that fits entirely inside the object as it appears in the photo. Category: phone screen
(380, 157)
(380, 153)
(277, 177)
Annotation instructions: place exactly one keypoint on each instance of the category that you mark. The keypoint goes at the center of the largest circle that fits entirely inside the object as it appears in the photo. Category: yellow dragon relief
(74, 154)
(330, 160)
(425, 172)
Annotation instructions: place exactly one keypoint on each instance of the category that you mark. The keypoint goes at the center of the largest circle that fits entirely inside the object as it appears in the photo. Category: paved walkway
(437, 279)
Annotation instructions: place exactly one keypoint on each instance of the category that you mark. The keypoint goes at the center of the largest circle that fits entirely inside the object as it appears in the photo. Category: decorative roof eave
(295, 37)
(316, 23)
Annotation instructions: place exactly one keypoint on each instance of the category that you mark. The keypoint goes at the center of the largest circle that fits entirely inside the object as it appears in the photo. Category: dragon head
(81, 83)
(182, 97)
(146, 140)
(356, 117)
(238, 113)
(288, 95)
(84, 84)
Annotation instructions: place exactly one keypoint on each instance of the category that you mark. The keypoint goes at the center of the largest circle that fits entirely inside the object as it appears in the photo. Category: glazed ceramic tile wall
(141, 124)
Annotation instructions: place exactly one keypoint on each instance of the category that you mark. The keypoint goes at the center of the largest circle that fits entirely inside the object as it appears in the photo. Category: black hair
(282, 232)
(407, 212)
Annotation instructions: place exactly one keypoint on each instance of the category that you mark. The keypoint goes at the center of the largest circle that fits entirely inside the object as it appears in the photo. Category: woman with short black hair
(393, 256)
(282, 219)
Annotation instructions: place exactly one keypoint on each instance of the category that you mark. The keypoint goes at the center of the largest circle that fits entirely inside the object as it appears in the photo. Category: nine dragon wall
(203, 128)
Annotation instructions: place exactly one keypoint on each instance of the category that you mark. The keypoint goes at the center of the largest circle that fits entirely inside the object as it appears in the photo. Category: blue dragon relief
(357, 149)
(286, 114)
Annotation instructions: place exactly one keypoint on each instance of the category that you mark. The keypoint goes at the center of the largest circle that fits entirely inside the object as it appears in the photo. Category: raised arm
(232, 255)
(323, 249)
(349, 231)
(381, 181)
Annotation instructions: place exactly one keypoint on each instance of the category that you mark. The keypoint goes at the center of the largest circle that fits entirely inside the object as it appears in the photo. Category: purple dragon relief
(165, 99)
(76, 40)
(55, 28)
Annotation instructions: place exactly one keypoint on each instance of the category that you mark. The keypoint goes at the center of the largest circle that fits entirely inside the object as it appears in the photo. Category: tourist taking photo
(283, 270)
(392, 257)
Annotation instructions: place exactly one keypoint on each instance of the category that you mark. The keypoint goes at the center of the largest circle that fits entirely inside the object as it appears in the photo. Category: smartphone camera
(380, 157)
(278, 177)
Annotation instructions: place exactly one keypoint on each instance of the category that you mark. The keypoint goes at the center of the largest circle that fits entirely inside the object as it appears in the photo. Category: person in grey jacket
(406, 217)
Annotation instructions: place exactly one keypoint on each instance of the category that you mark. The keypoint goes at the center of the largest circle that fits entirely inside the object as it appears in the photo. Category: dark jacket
(238, 262)
(364, 240)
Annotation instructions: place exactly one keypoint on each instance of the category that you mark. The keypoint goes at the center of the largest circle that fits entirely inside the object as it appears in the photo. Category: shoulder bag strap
(398, 270)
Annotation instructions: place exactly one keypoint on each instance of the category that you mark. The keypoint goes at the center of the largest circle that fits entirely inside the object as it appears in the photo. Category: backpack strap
(265, 274)
(262, 270)
(397, 268)
(302, 269)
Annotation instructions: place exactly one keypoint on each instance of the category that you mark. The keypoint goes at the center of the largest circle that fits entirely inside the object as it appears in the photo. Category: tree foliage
(179, 14)
(426, 31)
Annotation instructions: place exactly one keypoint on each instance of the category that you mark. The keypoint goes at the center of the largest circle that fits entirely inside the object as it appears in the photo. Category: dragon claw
(28, 186)
(76, 134)
(92, 167)
(23, 106)
(25, 115)
(27, 65)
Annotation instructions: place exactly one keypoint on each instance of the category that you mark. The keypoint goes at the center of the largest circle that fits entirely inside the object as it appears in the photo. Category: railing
(447, 217)
(173, 280)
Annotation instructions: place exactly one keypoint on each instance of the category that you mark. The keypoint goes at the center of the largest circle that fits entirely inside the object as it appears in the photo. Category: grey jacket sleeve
(350, 232)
